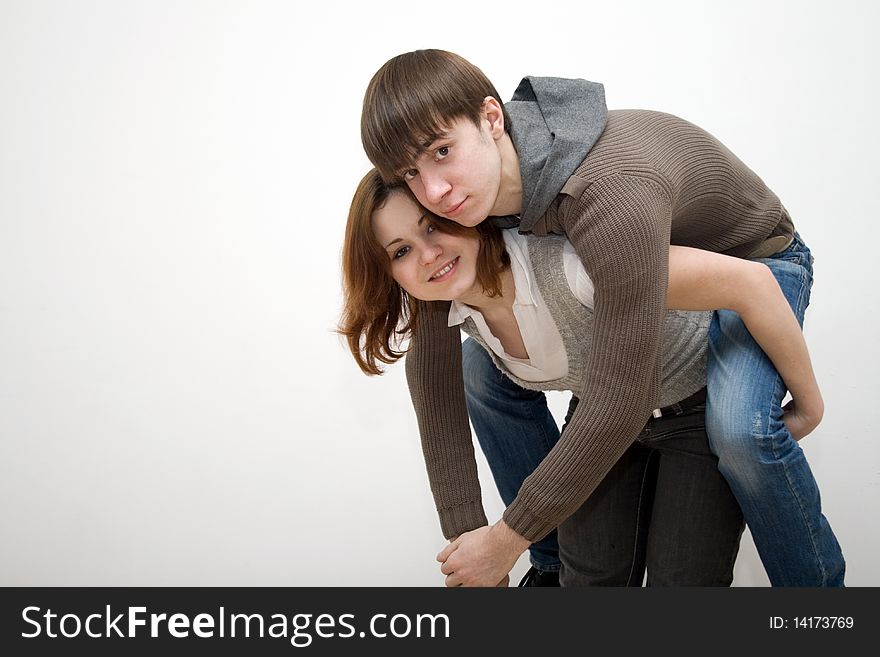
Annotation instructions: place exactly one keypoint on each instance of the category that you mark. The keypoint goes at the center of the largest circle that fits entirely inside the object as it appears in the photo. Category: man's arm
(702, 280)
(620, 230)
(434, 375)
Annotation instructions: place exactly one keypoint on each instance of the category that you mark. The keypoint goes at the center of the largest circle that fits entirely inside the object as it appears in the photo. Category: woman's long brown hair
(377, 314)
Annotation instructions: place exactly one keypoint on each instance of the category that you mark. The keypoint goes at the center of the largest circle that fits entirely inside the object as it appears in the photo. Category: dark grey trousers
(664, 507)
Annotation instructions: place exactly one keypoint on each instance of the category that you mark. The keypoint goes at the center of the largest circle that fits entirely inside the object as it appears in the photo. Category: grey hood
(554, 124)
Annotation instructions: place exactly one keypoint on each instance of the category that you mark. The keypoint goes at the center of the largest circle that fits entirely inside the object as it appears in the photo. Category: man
(622, 186)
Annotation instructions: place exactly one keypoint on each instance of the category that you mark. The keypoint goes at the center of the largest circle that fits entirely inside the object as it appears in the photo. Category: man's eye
(442, 152)
(431, 228)
(409, 174)
(402, 251)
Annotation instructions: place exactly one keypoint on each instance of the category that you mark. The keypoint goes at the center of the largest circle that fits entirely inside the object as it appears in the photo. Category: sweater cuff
(525, 522)
(461, 518)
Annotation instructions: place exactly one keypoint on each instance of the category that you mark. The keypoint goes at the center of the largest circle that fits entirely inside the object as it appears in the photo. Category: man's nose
(436, 187)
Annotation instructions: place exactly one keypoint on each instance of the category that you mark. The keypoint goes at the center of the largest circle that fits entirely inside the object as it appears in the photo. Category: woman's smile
(445, 272)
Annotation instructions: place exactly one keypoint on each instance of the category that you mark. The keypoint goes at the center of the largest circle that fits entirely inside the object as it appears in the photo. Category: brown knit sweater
(650, 180)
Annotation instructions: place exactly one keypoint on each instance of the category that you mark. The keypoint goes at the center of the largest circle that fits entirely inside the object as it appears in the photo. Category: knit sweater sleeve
(620, 228)
(434, 375)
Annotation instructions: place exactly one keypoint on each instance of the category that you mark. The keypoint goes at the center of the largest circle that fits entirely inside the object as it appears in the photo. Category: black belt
(699, 397)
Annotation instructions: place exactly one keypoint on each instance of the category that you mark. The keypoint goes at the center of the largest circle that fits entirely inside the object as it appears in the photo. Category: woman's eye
(402, 251)
(431, 228)
(409, 174)
(442, 152)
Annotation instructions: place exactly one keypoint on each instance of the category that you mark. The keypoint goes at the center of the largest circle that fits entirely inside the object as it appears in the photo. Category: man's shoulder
(627, 127)
(634, 141)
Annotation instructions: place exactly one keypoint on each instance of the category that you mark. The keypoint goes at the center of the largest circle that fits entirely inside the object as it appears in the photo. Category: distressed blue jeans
(763, 465)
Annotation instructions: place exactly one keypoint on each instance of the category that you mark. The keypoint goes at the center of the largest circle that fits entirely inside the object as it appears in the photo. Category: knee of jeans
(752, 450)
(735, 438)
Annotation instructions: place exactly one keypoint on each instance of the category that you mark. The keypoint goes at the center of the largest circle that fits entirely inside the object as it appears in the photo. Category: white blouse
(547, 358)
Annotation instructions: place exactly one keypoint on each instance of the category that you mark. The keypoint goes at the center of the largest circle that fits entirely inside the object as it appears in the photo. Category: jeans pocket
(797, 252)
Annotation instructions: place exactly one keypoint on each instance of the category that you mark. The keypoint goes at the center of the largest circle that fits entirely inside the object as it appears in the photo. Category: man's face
(459, 175)
(429, 264)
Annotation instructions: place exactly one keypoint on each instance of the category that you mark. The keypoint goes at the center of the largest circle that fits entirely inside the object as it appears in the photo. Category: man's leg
(515, 430)
(765, 467)
(696, 523)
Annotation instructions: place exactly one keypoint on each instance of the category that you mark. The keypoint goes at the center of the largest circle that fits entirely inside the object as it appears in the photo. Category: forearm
(434, 375)
(620, 230)
(773, 325)
(699, 280)
(613, 410)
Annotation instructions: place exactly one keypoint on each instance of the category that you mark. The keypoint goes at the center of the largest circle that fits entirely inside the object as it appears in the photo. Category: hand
(801, 421)
(482, 557)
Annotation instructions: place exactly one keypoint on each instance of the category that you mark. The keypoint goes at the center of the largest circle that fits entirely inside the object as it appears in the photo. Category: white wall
(174, 178)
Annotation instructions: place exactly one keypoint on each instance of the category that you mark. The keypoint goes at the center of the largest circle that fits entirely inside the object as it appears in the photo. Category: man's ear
(493, 113)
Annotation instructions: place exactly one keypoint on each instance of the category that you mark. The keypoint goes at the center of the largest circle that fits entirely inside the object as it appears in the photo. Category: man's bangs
(415, 98)
(399, 142)
(400, 121)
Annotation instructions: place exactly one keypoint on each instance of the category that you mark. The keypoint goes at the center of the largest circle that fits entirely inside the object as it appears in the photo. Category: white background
(175, 408)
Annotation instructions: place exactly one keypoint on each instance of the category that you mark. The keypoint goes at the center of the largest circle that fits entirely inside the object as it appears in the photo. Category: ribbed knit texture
(649, 180)
(437, 391)
(685, 334)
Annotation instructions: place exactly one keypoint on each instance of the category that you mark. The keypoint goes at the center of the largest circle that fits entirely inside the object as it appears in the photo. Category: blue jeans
(763, 465)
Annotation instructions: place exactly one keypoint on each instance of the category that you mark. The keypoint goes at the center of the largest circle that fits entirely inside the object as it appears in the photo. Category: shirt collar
(458, 312)
(523, 280)
(523, 277)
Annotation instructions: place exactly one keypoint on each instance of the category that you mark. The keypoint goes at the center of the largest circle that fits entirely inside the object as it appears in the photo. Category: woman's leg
(696, 523)
(603, 543)
(765, 467)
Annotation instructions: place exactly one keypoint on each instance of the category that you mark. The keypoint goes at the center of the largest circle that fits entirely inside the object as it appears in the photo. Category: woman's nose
(430, 253)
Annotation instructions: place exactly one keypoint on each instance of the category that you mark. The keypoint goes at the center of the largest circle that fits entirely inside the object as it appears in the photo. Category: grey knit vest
(685, 336)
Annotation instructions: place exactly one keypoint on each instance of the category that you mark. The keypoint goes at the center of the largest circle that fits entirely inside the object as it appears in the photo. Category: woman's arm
(702, 280)
(434, 374)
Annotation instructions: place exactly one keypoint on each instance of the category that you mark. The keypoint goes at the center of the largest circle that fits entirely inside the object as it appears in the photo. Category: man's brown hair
(413, 99)
(378, 314)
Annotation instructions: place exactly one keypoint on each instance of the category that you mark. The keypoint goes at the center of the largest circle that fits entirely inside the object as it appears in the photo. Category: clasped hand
(482, 557)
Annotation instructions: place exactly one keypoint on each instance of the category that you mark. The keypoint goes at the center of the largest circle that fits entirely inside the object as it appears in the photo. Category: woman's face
(429, 264)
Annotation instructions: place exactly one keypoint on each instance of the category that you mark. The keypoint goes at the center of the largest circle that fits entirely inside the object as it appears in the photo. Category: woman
(530, 311)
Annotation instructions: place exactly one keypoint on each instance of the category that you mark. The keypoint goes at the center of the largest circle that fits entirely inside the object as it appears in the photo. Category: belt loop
(682, 406)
